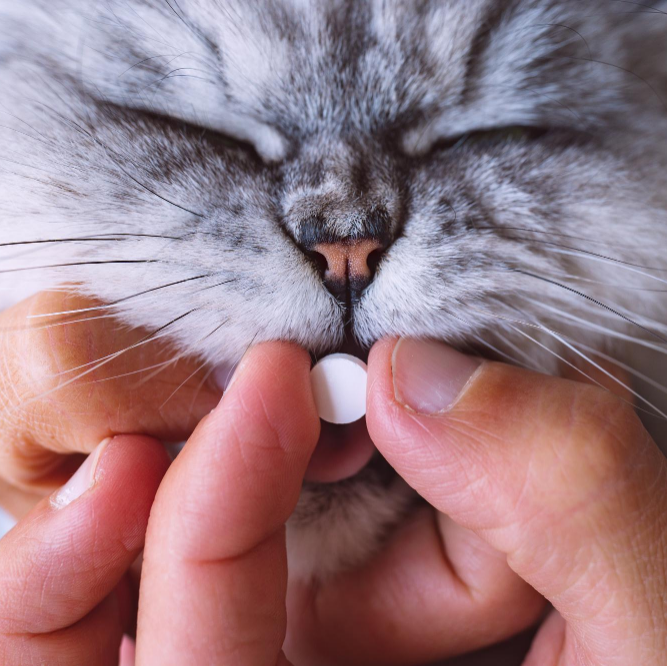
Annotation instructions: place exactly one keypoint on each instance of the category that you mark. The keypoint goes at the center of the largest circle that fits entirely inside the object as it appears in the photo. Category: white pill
(339, 387)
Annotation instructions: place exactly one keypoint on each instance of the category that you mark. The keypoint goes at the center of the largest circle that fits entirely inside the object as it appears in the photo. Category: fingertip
(140, 452)
(275, 376)
(381, 352)
(131, 471)
(282, 362)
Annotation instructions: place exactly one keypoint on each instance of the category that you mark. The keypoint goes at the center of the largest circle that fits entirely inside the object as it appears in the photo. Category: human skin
(542, 487)
(50, 422)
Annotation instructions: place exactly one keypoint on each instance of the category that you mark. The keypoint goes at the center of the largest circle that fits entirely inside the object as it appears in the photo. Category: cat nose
(350, 265)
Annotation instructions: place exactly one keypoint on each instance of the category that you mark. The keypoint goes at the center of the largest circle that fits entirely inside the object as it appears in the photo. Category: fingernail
(429, 376)
(84, 479)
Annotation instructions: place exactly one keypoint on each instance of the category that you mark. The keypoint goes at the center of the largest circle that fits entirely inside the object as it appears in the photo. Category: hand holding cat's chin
(555, 480)
(64, 387)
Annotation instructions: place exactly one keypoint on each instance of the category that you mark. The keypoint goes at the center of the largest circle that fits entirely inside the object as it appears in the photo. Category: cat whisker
(591, 326)
(216, 285)
(154, 193)
(104, 238)
(597, 302)
(200, 388)
(43, 140)
(577, 116)
(530, 362)
(110, 154)
(593, 256)
(633, 268)
(112, 315)
(581, 322)
(593, 241)
(597, 366)
(108, 357)
(109, 315)
(183, 383)
(172, 75)
(643, 319)
(497, 334)
(500, 317)
(616, 310)
(181, 356)
(653, 10)
(611, 285)
(623, 366)
(140, 371)
(57, 324)
(541, 327)
(163, 331)
(120, 300)
(567, 27)
(562, 359)
(79, 263)
(619, 68)
(504, 355)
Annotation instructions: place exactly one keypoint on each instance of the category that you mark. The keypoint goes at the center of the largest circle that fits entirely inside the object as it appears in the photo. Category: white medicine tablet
(339, 387)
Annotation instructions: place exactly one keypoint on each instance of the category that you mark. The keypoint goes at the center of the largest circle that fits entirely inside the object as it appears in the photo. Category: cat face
(508, 158)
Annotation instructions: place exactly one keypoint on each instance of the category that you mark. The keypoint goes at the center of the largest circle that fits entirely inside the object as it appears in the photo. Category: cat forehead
(271, 70)
(301, 67)
(262, 54)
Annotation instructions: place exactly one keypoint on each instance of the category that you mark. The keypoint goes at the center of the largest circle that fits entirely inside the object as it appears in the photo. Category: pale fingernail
(429, 376)
(84, 479)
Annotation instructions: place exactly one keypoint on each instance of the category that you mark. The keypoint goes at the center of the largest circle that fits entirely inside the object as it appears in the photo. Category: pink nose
(348, 262)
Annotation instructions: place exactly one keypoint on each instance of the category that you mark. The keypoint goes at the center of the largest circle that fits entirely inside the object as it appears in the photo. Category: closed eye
(510, 134)
(197, 134)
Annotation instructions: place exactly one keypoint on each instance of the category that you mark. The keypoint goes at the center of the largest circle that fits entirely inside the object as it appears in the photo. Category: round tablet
(339, 388)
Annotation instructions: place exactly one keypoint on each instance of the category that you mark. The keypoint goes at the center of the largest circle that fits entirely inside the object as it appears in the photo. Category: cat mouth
(342, 451)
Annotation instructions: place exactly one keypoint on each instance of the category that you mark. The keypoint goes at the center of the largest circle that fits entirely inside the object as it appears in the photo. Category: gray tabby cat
(496, 168)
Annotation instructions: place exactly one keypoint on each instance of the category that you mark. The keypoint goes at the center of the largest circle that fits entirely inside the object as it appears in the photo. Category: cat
(185, 159)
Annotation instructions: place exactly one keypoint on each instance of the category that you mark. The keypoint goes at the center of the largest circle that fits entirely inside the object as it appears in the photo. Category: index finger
(215, 549)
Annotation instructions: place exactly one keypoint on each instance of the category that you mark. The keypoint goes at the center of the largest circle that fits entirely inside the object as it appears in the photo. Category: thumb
(560, 476)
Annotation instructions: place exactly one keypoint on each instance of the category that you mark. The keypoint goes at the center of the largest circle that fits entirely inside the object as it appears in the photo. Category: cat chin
(337, 527)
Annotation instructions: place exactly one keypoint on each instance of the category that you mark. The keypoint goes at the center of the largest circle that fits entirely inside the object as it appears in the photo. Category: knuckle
(607, 422)
(44, 353)
(600, 450)
(33, 358)
(582, 462)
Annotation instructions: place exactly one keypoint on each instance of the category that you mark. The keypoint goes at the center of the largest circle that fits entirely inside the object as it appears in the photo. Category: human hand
(216, 549)
(545, 488)
(66, 598)
(443, 586)
(65, 386)
(215, 568)
(215, 571)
